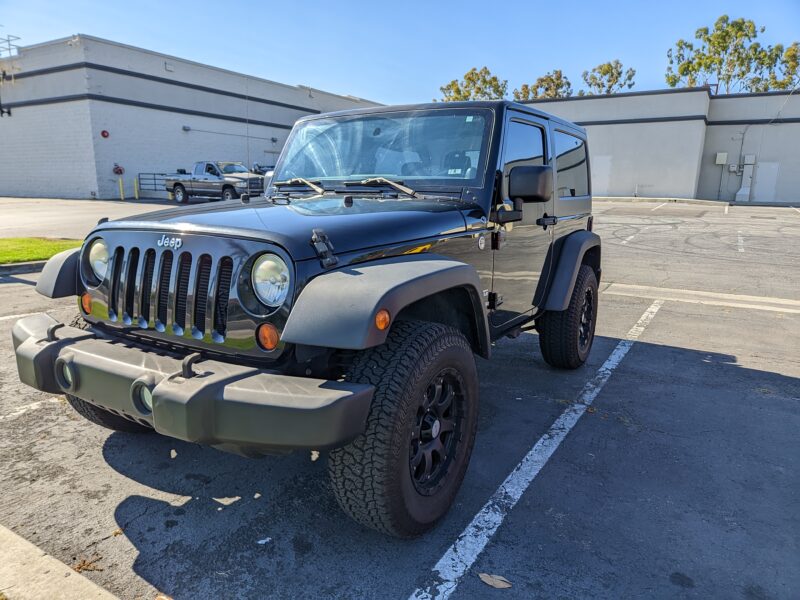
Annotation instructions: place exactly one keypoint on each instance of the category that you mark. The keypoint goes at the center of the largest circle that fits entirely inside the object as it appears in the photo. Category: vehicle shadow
(218, 525)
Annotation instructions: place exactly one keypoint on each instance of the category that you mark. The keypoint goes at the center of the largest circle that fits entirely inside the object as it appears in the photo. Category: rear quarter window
(571, 166)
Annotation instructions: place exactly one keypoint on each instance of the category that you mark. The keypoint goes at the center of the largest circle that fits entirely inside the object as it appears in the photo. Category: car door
(214, 181)
(520, 247)
(199, 179)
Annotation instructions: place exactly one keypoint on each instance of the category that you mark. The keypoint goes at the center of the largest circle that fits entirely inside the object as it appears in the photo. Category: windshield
(438, 147)
(233, 168)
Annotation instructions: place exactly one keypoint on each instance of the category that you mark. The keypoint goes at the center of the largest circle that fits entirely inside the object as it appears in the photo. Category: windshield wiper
(378, 181)
(314, 185)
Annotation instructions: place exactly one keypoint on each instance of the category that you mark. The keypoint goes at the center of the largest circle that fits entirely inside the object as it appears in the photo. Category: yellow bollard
(136, 188)
(121, 189)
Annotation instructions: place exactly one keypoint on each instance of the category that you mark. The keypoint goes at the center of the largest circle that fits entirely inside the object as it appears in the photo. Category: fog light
(146, 397)
(86, 303)
(66, 374)
(382, 319)
(268, 337)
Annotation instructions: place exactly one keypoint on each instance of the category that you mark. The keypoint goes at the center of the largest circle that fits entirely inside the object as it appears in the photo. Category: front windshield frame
(424, 183)
(222, 165)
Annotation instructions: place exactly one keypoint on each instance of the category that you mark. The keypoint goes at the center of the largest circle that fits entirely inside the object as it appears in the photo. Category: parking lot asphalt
(680, 479)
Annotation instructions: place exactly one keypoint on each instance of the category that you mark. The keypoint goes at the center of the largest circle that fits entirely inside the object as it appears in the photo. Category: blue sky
(396, 52)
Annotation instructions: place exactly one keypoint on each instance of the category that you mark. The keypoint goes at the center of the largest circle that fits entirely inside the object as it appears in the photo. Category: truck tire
(401, 475)
(100, 416)
(228, 193)
(566, 336)
(179, 192)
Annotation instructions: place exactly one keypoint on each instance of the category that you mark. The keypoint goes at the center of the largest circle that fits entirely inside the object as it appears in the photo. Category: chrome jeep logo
(170, 242)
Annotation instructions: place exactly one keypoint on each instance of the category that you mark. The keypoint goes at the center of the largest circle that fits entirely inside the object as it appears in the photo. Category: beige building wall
(161, 113)
(665, 143)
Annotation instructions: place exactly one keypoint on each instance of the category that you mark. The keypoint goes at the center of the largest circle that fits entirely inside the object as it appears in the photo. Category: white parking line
(628, 239)
(657, 207)
(793, 208)
(460, 557)
(27, 408)
(727, 206)
(741, 242)
(9, 317)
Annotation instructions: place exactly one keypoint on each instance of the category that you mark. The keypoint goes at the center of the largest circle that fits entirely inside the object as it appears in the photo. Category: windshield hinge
(324, 248)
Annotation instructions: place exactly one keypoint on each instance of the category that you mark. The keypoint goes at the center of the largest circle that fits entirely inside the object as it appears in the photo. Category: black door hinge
(324, 248)
(546, 221)
(495, 300)
(498, 239)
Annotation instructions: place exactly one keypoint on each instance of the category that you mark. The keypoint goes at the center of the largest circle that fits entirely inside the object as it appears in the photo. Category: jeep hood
(366, 223)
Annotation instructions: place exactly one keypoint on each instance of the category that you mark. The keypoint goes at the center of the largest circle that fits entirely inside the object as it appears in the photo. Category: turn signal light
(86, 303)
(382, 319)
(268, 337)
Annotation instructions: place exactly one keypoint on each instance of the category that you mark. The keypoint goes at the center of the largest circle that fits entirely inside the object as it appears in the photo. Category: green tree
(730, 56)
(551, 85)
(476, 85)
(607, 78)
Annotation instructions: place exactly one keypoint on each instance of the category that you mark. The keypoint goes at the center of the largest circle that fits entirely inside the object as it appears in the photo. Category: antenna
(7, 46)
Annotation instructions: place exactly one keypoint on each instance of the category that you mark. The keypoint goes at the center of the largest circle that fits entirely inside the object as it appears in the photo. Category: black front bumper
(237, 408)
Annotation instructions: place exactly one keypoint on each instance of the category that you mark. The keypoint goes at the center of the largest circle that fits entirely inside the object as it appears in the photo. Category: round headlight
(271, 279)
(98, 258)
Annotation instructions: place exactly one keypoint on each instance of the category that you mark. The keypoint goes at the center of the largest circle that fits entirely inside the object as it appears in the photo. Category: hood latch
(324, 248)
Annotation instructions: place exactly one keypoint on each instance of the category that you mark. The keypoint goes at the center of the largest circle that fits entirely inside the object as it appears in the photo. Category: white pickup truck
(217, 180)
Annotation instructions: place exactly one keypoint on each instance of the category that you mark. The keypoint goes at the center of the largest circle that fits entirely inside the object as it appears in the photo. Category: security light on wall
(186, 128)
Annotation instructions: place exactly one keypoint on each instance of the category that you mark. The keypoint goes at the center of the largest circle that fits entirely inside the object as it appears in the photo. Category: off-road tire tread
(359, 472)
(95, 414)
(558, 329)
(102, 417)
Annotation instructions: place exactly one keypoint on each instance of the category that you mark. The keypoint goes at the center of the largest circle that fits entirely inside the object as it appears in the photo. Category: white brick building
(81, 105)
(688, 143)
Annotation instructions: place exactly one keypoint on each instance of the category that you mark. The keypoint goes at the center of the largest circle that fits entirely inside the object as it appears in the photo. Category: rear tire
(566, 337)
(100, 416)
(179, 192)
(401, 475)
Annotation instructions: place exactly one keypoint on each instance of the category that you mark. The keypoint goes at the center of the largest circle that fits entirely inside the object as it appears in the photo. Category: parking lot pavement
(680, 480)
(72, 219)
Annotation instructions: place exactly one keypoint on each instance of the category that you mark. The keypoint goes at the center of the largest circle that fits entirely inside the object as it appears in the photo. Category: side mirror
(530, 183)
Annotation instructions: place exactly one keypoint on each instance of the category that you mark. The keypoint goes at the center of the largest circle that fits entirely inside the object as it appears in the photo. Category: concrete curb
(34, 266)
(670, 200)
(29, 573)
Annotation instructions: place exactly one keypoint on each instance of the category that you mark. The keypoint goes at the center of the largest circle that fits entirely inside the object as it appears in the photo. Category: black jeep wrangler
(343, 309)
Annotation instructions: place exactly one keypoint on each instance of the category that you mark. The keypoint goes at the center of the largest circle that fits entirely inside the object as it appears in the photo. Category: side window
(571, 165)
(524, 145)
(198, 169)
(211, 169)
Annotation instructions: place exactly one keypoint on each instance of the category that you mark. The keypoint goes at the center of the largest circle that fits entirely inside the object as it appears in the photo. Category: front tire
(401, 475)
(102, 417)
(229, 193)
(566, 337)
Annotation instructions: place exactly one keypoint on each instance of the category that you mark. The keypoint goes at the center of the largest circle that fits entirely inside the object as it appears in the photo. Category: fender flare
(59, 278)
(337, 309)
(570, 255)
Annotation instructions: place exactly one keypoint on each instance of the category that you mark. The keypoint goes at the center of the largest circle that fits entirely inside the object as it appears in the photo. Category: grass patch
(16, 250)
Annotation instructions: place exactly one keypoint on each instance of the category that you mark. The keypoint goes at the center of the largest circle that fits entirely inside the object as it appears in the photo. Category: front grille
(170, 291)
(224, 286)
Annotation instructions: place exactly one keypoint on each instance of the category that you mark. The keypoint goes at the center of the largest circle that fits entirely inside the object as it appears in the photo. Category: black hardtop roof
(495, 105)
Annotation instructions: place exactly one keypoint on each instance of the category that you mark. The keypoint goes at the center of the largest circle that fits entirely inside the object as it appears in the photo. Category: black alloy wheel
(435, 437)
